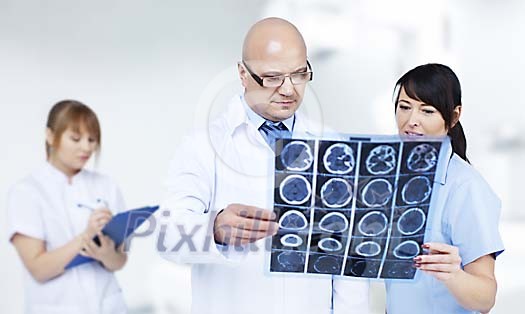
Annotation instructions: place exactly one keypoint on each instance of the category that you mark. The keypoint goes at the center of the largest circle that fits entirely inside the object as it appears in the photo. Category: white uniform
(231, 163)
(45, 206)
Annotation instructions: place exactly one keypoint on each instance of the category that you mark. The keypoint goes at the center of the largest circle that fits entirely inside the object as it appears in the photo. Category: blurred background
(152, 69)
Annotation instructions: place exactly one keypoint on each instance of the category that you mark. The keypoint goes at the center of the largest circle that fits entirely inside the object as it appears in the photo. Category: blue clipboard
(118, 229)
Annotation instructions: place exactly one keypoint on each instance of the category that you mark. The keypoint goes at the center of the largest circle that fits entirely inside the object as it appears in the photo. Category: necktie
(271, 131)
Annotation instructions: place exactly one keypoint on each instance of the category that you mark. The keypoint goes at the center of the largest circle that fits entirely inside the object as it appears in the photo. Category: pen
(85, 206)
(80, 205)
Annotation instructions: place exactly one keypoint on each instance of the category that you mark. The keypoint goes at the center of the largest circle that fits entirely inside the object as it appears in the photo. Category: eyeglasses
(297, 78)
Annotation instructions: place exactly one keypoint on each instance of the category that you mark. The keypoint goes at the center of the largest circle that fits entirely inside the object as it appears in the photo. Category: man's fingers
(254, 224)
(254, 212)
(241, 224)
(236, 236)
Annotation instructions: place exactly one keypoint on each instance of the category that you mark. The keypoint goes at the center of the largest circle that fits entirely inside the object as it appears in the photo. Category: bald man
(218, 213)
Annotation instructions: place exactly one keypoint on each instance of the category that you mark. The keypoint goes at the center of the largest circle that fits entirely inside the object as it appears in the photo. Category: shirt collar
(258, 121)
(448, 154)
(58, 175)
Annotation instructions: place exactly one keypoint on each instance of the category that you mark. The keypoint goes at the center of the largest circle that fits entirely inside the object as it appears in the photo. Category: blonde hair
(72, 114)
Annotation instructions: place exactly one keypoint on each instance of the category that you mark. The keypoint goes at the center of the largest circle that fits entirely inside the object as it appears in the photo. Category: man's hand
(241, 224)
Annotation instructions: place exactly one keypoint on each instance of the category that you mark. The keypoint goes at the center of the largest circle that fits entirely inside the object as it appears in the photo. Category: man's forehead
(278, 65)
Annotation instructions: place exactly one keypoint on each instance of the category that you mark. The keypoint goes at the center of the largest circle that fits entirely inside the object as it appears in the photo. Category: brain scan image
(339, 159)
(327, 265)
(356, 206)
(373, 224)
(416, 190)
(291, 261)
(297, 156)
(407, 250)
(422, 158)
(381, 160)
(377, 193)
(295, 189)
(291, 240)
(401, 270)
(368, 249)
(411, 221)
(336, 192)
(333, 222)
(330, 245)
(364, 269)
(293, 220)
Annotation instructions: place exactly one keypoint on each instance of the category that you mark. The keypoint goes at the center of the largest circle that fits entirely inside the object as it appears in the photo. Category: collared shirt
(230, 162)
(44, 206)
(466, 215)
(258, 121)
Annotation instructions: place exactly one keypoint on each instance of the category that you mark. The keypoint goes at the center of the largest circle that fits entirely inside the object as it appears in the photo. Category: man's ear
(242, 74)
(457, 115)
(50, 137)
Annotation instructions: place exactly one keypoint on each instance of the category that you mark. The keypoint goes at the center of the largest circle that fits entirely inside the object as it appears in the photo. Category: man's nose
(287, 87)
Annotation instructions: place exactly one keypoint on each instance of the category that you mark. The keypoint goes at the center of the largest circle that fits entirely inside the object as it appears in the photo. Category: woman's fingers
(100, 221)
(442, 260)
(105, 241)
(102, 239)
(101, 216)
(445, 268)
(438, 259)
(88, 249)
(440, 248)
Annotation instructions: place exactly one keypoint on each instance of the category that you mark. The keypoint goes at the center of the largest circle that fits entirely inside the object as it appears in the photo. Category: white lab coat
(45, 206)
(231, 163)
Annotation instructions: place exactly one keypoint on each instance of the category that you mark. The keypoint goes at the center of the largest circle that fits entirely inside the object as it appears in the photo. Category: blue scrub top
(466, 214)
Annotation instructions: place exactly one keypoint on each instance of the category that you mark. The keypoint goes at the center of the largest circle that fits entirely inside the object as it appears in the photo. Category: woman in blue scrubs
(457, 273)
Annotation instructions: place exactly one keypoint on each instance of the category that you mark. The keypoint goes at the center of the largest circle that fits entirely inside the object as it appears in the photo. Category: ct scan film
(356, 207)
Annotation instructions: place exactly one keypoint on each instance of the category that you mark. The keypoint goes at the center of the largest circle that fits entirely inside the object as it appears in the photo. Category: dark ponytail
(459, 141)
(437, 85)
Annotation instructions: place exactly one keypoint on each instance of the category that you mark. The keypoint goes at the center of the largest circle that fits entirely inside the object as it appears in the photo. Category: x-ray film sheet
(354, 208)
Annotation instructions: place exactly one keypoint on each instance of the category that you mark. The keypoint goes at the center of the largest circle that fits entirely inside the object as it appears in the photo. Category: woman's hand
(101, 253)
(442, 261)
(474, 287)
(98, 219)
(111, 257)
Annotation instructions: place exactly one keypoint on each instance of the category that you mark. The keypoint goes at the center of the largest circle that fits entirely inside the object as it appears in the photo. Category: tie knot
(271, 131)
(269, 126)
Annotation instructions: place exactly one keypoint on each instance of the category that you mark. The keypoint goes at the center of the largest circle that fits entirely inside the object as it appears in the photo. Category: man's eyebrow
(276, 73)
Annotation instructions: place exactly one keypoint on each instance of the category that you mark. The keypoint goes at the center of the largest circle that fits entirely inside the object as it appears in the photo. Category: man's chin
(283, 116)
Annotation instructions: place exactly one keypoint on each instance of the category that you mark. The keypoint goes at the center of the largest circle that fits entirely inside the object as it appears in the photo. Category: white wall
(144, 67)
